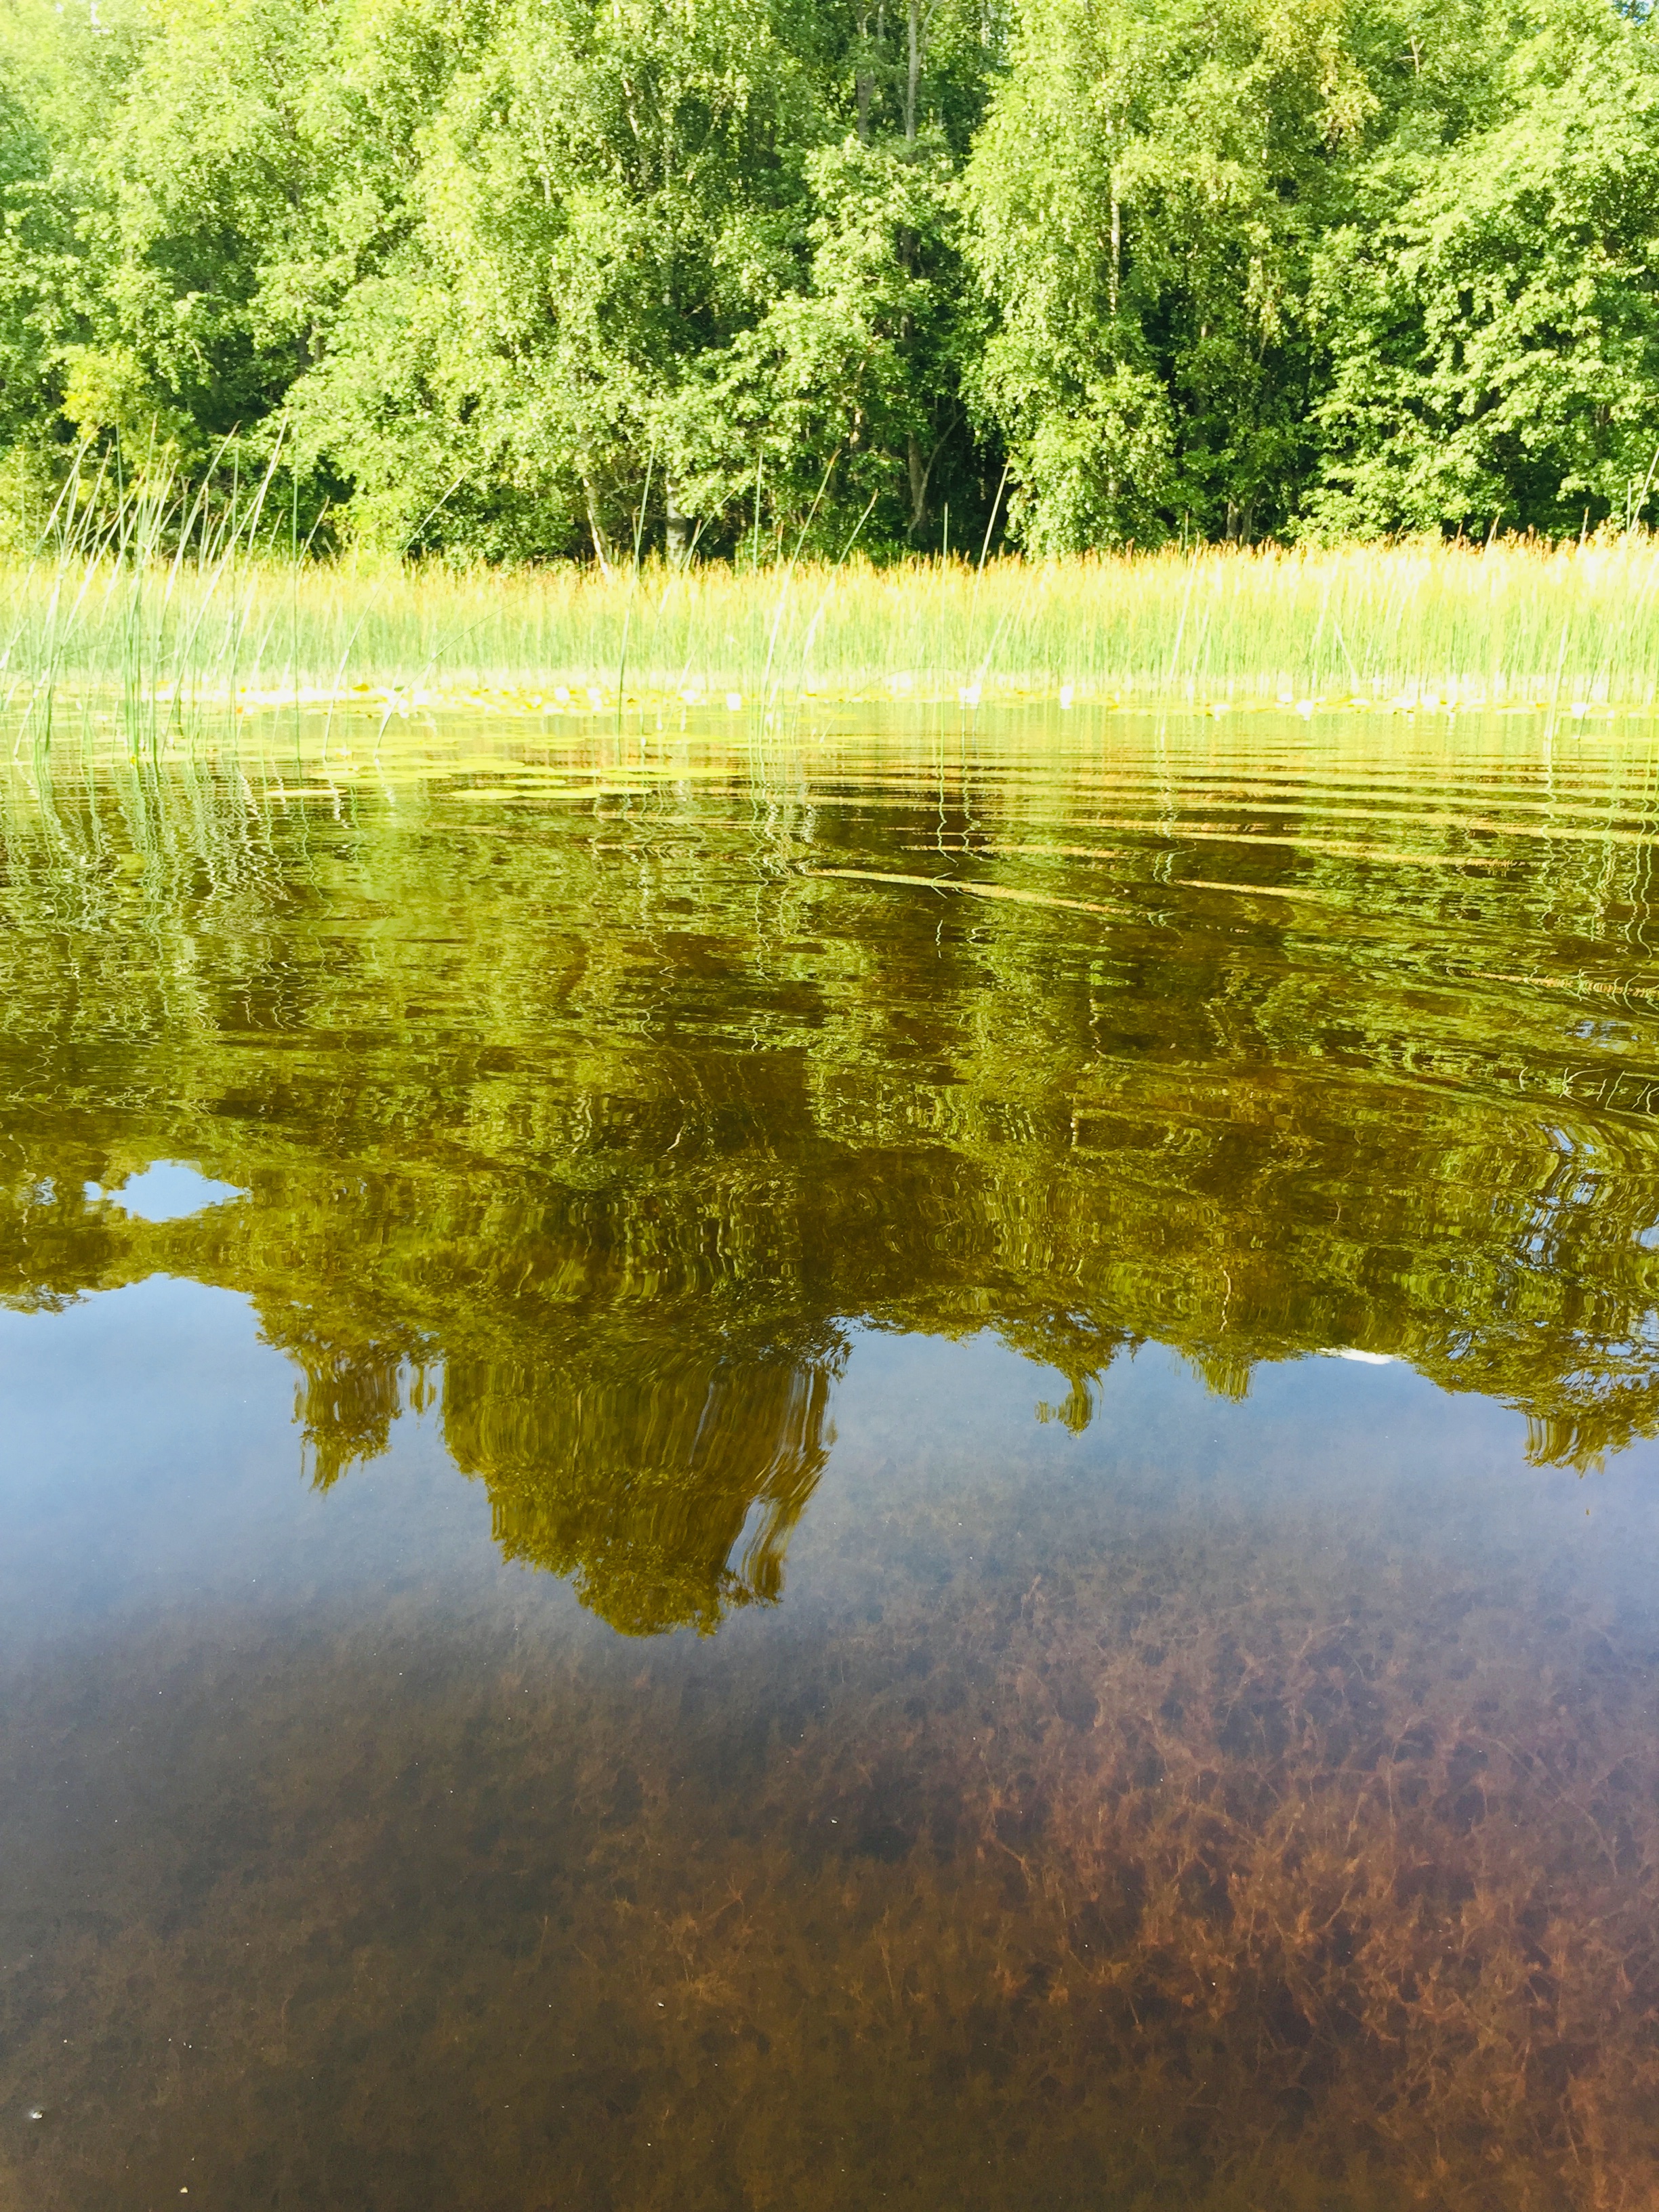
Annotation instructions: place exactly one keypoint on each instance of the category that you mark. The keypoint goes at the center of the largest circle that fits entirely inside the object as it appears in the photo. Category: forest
(520, 281)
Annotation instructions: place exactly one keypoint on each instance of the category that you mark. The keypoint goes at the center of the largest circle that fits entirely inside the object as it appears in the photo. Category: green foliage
(1144, 190)
(863, 364)
(1495, 344)
(527, 276)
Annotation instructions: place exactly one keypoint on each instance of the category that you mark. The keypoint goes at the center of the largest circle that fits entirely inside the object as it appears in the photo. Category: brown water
(861, 1469)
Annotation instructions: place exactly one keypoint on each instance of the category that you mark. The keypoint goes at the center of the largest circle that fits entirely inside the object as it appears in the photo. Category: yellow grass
(1571, 631)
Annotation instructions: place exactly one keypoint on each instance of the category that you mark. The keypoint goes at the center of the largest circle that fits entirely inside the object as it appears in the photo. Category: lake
(904, 1462)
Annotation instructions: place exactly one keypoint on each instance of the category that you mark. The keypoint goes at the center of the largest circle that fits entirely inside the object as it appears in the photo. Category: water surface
(833, 1467)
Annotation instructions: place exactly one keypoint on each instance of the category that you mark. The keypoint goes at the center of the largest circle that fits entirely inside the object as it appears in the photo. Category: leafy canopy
(515, 278)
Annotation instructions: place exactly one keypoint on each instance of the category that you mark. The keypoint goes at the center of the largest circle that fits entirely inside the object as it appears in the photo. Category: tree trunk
(601, 550)
(863, 81)
(921, 469)
(912, 77)
(678, 538)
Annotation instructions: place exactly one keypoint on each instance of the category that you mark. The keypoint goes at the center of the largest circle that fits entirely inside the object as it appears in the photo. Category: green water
(834, 1469)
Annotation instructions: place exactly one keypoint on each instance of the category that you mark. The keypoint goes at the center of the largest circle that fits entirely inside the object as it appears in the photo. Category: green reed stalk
(154, 609)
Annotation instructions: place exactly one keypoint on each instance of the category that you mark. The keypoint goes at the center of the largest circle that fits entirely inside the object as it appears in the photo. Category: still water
(841, 1469)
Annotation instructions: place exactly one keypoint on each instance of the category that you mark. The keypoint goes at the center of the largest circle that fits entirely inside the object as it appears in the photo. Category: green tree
(514, 277)
(1142, 197)
(601, 197)
(849, 389)
(1494, 338)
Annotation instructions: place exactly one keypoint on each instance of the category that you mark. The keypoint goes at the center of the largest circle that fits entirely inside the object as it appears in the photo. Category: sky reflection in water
(1128, 1758)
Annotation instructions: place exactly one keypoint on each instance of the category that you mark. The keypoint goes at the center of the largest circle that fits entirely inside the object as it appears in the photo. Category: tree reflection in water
(602, 1123)
(1129, 1863)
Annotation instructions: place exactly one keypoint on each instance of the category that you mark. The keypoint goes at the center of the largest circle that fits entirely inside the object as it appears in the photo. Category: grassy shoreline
(165, 647)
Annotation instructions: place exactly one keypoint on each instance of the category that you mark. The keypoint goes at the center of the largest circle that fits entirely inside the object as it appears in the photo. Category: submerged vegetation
(1148, 1862)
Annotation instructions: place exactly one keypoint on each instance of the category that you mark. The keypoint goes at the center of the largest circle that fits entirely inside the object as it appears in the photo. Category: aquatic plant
(222, 635)
(1149, 1862)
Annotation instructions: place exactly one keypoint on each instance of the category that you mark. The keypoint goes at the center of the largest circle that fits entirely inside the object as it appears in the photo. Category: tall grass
(169, 618)
(141, 597)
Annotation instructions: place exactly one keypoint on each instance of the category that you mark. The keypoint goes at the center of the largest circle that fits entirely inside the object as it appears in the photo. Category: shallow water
(848, 1469)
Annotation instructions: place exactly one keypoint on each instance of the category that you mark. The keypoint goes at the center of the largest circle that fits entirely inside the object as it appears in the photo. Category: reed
(171, 618)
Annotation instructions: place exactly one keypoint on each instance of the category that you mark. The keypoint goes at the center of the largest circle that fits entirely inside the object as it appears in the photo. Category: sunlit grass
(117, 632)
